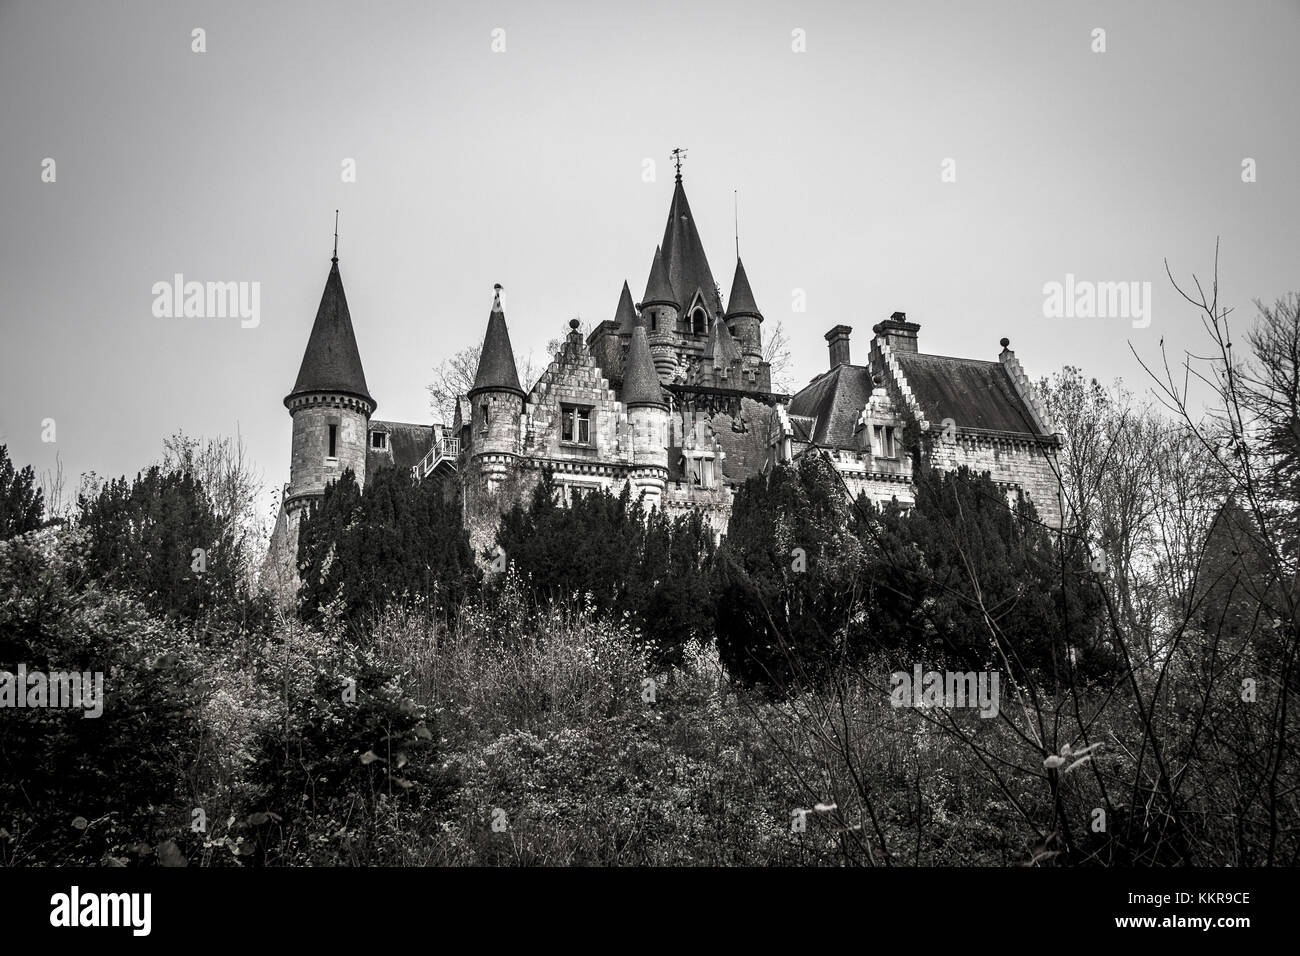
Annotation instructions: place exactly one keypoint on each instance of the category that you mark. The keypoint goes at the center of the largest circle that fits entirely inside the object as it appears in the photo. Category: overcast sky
(527, 167)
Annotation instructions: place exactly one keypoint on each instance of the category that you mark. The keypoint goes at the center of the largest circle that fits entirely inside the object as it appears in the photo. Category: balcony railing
(444, 451)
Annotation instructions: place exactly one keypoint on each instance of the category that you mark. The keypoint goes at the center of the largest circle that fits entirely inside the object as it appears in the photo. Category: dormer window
(379, 440)
(699, 322)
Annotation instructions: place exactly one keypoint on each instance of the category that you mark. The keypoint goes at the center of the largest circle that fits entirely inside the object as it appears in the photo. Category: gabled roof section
(658, 290)
(688, 267)
(640, 380)
(974, 394)
(332, 362)
(625, 314)
(741, 300)
(828, 408)
(496, 362)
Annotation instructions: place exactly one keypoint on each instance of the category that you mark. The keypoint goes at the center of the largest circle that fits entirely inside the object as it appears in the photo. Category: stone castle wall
(1015, 463)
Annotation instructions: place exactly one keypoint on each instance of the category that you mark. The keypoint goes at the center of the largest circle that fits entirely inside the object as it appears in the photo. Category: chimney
(898, 333)
(838, 338)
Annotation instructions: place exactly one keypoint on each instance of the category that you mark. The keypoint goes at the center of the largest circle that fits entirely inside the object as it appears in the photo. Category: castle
(672, 396)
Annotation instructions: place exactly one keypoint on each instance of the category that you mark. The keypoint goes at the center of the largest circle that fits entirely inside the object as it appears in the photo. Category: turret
(659, 313)
(330, 403)
(497, 402)
(647, 415)
(743, 317)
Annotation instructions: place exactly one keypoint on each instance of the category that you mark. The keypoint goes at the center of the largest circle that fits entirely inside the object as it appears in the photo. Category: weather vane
(678, 155)
(336, 235)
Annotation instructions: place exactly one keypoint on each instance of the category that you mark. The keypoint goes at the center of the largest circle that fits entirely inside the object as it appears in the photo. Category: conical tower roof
(741, 300)
(496, 362)
(722, 348)
(331, 362)
(688, 267)
(640, 380)
(658, 290)
(625, 315)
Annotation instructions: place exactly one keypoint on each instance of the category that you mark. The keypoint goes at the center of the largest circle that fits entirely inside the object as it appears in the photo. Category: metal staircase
(442, 455)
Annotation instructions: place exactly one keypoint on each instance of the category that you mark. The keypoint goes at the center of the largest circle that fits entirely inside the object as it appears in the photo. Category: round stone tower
(330, 404)
(647, 416)
(659, 314)
(497, 404)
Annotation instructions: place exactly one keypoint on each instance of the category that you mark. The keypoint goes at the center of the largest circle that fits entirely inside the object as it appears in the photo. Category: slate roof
(331, 362)
(657, 286)
(406, 444)
(625, 314)
(833, 403)
(688, 267)
(496, 362)
(640, 380)
(741, 300)
(973, 393)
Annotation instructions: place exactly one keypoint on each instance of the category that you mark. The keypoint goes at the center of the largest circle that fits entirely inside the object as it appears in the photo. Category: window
(334, 434)
(699, 472)
(575, 424)
(378, 440)
(882, 441)
(570, 492)
(483, 421)
(699, 324)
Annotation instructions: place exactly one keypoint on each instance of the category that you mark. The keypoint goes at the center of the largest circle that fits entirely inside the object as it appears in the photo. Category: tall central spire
(683, 252)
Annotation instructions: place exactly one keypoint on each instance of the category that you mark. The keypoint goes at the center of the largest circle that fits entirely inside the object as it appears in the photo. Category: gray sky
(526, 168)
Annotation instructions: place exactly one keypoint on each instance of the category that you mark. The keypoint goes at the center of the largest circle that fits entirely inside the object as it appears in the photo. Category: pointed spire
(741, 300)
(722, 348)
(684, 258)
(640, 380)
(332, 362)
(496, 362)
(658, 288)
(625, 315)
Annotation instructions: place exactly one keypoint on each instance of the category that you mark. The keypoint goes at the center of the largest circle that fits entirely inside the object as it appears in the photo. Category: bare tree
(232, 484)
(776, 352)
(53, 483)
(453, 377)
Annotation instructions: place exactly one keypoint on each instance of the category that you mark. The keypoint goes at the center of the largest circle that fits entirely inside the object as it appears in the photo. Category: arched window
(699, 322)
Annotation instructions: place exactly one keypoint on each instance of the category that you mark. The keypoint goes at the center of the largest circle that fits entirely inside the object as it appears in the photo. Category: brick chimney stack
(838, 338)
(898, 333)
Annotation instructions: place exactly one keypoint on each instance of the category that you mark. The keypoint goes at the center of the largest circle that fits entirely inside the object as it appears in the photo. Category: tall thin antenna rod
(336, 236)
(736, 194)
